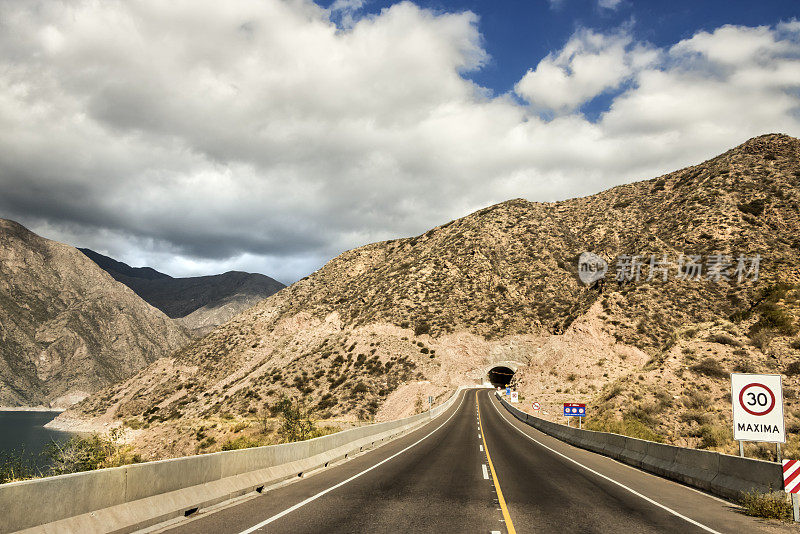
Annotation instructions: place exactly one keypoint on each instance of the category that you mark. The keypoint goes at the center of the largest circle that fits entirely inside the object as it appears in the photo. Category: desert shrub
(15, 466)
(795, 344)
(421, 328)
(740, 315)
(754, 207)
(699, 416)
(792, 369)
(241, 442)
(694, 399)
(327, 401)
(615, 390)
(690, 332)
(744, 366)
(628, 426)
(774, 317)
(724, 339)
(88, 453)
(713, 436)
(296, 425)
(768, 505)
(208, 442)
(324, 431)
(665, 400)
(134, 423)
(709, 367)
(645, 413)
(762, 339)
(238, 427)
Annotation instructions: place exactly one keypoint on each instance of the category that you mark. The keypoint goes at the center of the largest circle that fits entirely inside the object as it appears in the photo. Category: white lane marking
(479, 436)
(485, 472)
(342, 483)
(481, 446)
(495, 532)
(620, 484)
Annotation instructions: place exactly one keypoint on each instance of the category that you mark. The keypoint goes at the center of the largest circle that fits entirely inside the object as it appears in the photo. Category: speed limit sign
(757, 408)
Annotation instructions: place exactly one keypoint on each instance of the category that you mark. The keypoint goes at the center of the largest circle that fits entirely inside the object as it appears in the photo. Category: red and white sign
(536, 406)
(757, 408)
(515, 396)
(791, 476)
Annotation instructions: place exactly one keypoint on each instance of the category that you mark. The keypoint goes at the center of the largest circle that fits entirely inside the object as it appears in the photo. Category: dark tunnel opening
(500, 376)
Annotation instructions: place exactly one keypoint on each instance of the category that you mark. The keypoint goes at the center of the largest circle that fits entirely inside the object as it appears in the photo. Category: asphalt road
(439, 479)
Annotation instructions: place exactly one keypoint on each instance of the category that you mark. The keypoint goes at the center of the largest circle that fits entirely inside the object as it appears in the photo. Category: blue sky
(519, 33)
(200, 136)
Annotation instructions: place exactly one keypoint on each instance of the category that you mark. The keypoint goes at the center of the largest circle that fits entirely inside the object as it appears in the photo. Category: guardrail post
(795, 508)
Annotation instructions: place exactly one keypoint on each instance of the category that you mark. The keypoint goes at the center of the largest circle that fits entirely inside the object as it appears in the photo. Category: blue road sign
(573, 409)
(508, 391)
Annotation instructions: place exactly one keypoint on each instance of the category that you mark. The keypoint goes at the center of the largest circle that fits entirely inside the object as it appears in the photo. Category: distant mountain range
(199, 303)
(363, 336)
(66, 327)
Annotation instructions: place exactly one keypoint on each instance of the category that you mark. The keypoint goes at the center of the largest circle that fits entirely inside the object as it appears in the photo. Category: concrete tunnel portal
(500, 376)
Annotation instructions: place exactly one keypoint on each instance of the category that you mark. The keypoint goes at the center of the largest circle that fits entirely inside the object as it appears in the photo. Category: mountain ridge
(200, 302)
(381, 324)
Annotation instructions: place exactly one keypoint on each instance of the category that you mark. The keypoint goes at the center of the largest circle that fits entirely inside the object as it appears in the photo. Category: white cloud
(589, 64)
(609, 4)
(196, 135)
(604, 4)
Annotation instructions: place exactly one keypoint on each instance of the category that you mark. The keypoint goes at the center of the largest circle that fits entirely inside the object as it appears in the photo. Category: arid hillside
(380, 327)
(67, 328)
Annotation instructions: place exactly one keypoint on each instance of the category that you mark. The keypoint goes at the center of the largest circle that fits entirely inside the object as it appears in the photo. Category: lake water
(24, 431)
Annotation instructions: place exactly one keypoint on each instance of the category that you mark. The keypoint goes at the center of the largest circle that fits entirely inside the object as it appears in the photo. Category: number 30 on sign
(757, 408)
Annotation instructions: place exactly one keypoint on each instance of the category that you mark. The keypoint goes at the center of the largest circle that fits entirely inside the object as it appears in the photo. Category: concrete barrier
(129, 498)
(721, 474)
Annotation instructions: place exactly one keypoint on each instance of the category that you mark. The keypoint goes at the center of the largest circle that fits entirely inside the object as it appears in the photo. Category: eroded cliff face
(67, 329)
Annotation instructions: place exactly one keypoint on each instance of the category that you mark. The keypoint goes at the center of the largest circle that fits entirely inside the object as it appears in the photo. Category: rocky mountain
(67, 328)
(199, 303)
(379, 327)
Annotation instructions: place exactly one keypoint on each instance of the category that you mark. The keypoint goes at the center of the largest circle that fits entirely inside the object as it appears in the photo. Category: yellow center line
(506, 515)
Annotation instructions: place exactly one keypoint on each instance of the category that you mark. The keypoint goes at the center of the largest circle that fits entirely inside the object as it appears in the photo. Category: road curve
(440, 479)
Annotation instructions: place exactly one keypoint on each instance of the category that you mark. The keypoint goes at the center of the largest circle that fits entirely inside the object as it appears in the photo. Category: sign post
(757, 409)
(574, 409)
(430, 402)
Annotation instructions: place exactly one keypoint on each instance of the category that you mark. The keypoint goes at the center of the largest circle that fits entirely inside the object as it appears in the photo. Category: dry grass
(767, 505)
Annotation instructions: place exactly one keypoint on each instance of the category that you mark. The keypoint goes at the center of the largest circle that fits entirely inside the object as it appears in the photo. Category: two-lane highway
(476, 469)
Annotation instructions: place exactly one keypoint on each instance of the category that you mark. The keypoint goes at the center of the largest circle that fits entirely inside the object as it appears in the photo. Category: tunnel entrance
(500, 376)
